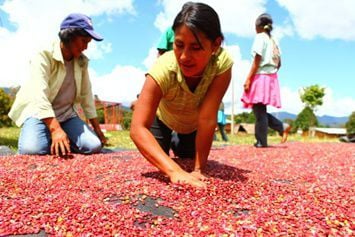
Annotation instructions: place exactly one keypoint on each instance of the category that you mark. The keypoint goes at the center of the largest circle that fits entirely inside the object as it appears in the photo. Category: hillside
(326, 120)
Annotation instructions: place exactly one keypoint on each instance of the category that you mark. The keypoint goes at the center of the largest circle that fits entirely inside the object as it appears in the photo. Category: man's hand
(60, 142)
(96, 125)
(101, 136)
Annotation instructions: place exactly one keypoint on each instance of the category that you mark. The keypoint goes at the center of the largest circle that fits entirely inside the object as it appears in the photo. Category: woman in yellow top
(182, 93)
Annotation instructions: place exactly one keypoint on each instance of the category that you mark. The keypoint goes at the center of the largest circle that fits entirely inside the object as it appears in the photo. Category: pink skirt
(264, 89)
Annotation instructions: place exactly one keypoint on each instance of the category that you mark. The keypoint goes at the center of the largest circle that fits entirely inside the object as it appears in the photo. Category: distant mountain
(125, 108)
(284, 115)
(6, 89)
(332, 121)
(326, 120)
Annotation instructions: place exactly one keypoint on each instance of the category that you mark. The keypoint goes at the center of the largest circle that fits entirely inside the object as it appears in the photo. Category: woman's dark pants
(183, 145)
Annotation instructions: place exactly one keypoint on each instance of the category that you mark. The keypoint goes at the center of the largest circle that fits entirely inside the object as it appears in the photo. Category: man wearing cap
(46, 105)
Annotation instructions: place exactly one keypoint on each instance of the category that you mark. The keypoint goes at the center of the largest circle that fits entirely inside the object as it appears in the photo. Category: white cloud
(290, 99)
(285, 29)
(237, 18)
(336, 106)
(239, 73)
(121, 85)
(97, 50)
(165, 18)
(37, 23)
(152, 56)
(332, 105)
(329, 19)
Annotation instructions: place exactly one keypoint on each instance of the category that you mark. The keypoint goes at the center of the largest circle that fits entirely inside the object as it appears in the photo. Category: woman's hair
(67, 35)
(199, 17)
(264, 21)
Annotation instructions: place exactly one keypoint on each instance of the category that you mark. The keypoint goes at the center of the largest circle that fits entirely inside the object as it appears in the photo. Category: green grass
(121, 139)
(243, 139)
(9, 137)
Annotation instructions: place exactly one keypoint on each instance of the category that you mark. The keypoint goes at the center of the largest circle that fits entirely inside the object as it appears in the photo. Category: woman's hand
(184, 177)
(254, 68)
(247, 85)
(60, 142)
(199, 175)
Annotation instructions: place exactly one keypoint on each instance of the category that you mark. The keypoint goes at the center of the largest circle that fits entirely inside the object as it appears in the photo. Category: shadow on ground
(214, 169)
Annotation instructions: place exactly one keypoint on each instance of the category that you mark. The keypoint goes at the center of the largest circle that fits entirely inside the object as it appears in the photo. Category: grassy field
(9, 137)
(121, 139)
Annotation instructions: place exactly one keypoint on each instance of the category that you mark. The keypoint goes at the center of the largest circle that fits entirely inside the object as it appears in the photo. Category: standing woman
(261, 87)
(182, 93)
(46, 106)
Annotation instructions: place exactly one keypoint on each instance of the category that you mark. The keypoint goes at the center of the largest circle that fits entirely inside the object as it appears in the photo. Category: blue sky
(317, 44)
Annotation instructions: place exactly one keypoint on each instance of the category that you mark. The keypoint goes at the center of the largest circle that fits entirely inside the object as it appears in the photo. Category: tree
(350, 125)
(5, 105)
(312, 96)
(127, 119)
(100, 115)
(245, 118)
(305, 119)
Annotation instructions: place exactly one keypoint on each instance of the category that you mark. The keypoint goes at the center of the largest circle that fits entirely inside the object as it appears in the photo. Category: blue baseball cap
(77, 20)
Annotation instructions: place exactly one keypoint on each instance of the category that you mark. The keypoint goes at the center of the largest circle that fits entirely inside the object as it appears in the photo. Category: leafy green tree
(291, 122)
(312, 96)
(5, 105)
(244, 118)
(350, 125)
(127, 119)
(100, 115)
(305, 119)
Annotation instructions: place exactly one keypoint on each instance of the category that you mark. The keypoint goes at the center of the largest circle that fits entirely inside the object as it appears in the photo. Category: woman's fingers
(199, 175)
(187, 178)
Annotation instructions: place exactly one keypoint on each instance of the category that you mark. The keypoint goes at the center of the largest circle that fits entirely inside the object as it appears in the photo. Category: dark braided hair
(265, 21)
(199, 17)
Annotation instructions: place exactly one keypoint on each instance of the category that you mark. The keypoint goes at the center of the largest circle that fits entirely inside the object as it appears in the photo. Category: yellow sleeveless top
(178, 109)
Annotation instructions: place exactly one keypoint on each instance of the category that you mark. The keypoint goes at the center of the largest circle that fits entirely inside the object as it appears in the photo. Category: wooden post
(232, 112)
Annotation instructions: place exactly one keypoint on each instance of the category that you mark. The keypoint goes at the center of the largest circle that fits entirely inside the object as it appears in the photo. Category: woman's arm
(252, 72)
(143, 116)
(279, 66)
(207, 118)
